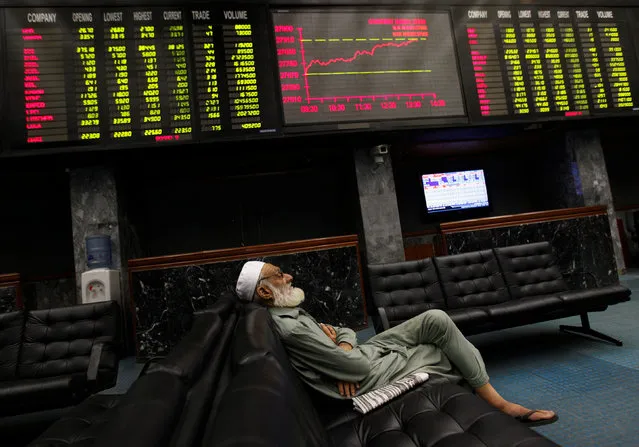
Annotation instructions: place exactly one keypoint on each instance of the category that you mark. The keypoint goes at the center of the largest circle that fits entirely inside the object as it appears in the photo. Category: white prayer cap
(247, 281)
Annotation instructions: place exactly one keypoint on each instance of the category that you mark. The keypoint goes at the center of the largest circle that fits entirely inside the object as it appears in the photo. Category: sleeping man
(330, 360)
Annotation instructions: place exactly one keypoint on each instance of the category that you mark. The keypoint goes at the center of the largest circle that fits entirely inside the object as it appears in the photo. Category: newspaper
(373, 399)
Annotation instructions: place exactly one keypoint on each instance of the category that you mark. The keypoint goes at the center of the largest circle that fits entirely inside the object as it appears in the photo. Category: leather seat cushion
(444, 415)
(80, 426)
(467, 318)
(596, 297)
(25, 395)
(525, 307)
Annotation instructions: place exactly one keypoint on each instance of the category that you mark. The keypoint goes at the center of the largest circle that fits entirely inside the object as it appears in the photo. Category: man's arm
(320, 354)
(346, 335)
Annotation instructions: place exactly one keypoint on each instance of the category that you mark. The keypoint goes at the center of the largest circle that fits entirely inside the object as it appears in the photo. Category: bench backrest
(265, 402)
(58, 341)
(471, 279)
(406, 289)
(146, 415)
(189, 356)
(530, 270)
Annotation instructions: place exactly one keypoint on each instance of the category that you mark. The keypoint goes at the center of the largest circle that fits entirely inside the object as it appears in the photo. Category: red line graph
(357, 54)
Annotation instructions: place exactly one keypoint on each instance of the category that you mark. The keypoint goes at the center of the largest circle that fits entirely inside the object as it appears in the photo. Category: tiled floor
(593, 386)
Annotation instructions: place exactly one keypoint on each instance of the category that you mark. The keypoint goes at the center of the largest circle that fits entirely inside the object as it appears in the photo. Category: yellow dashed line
(363, 39)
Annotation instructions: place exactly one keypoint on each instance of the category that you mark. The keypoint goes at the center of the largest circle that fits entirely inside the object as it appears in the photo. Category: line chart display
(353, 66)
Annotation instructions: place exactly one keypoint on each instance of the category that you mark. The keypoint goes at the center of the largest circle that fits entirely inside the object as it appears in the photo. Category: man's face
(276, 288)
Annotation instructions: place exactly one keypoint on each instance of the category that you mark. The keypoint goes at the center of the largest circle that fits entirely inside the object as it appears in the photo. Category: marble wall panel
(580, 244)
(8, 302)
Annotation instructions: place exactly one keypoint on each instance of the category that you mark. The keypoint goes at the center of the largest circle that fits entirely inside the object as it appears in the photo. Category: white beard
(286, 296)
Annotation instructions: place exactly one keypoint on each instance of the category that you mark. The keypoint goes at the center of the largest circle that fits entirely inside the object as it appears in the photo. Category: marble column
(94, 210)
(590, 176)
(378, 204)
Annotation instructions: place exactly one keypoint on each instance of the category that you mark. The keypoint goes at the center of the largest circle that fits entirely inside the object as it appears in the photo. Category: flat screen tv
(455, 191)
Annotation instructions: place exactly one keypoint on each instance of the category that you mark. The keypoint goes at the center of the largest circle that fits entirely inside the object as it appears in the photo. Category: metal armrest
(584, 273)
(94, 361)
(383, 317)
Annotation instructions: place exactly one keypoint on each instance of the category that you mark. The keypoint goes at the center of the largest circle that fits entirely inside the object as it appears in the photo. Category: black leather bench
(489, 290)
(170, 403)
(229, 383)
(267, 405)
(53, 358)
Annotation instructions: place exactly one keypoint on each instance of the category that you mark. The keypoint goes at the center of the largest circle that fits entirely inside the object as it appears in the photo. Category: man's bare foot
(490, 395)
(515, 410)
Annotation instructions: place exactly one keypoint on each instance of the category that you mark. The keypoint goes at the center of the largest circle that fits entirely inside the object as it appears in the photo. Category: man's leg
(435, 327)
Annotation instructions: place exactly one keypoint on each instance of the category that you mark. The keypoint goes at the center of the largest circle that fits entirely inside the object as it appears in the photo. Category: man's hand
(347, 389)
(329, 331)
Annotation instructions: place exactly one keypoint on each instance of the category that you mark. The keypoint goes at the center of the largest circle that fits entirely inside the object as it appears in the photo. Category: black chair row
(56, 357)
(171, 403)
(229, 382)
(52, 359)
(490, 290)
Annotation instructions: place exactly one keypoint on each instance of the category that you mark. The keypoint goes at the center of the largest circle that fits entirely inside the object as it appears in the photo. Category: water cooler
(100, 282)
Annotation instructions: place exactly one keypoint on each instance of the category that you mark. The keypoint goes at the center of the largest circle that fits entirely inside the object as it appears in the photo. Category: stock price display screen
(235, 83)
(340, 66)
(535, 62)
(146, 75)
(90, 76)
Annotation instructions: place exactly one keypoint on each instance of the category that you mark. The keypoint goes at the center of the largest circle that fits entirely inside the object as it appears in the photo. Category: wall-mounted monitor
(455, 191)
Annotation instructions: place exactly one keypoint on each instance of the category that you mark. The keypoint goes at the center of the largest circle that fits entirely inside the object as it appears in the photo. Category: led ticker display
(103, 76)
(120, 117)
(513, 58)
(544, 62)
(235, 89)
(40, 40)
(206, 72)
(240, 69)
(341, 66)
(85, 79)
(606, 61)
(148, 88)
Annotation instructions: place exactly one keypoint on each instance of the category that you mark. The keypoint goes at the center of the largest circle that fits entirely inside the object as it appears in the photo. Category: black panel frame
(378, 124)
(627, 12)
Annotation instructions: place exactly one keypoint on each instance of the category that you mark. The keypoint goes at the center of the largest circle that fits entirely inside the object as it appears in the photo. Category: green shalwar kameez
(429, 342)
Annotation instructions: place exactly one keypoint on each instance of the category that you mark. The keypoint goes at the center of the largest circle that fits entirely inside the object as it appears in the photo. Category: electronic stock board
(156, 74)
(546, 62)
(105, 76)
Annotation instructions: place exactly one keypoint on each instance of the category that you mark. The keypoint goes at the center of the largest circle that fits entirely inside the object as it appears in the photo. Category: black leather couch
(54, 358)
(267, 405)
(231, 384)
(490, 290)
